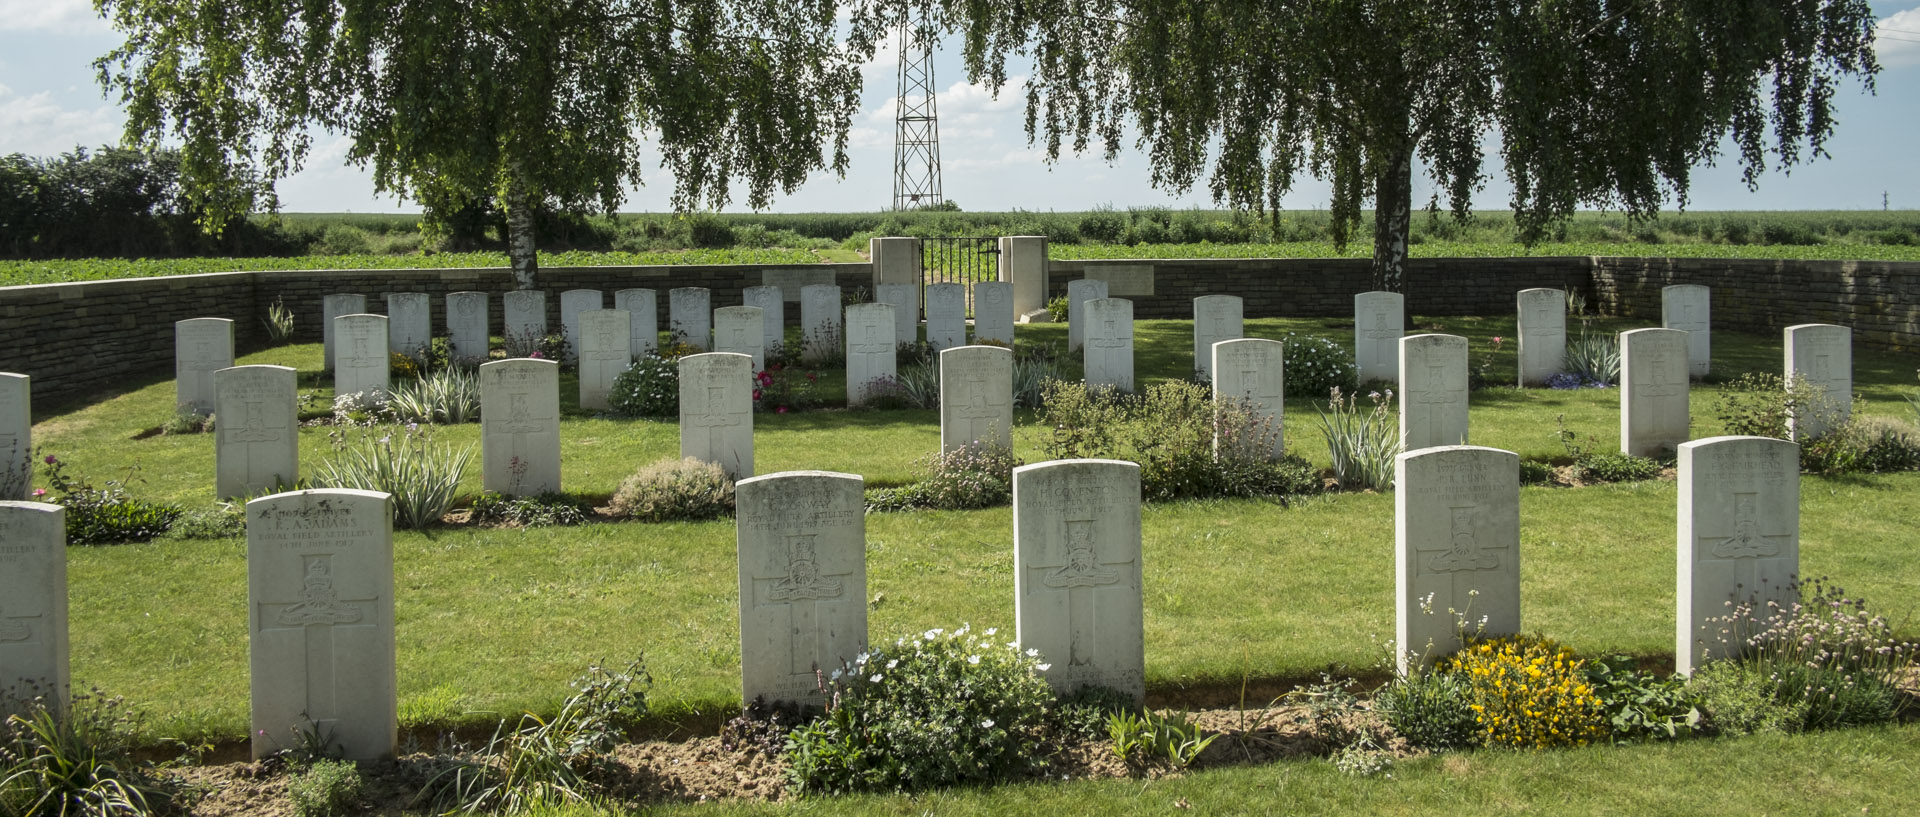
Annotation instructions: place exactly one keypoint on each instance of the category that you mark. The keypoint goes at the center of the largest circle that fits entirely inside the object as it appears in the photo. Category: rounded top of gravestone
(716, 359)
(581, 292)
(1736, 440)
(1377, 295)
(466, 293)
(257, 367)
(815, 475)
(358, 316)
(871, 307)
(742, 311)
(228, 321)
(678, 290)
(315, 494)
(1441, 452)
(975, 350)
(23, 506)
(1434, 339)
(1802, 327)
(518, 363)
(1685, 287)
(16, 376)
(1086, 464)
(1653, 332)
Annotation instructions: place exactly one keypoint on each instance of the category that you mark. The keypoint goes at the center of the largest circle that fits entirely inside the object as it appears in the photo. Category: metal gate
(957, 260)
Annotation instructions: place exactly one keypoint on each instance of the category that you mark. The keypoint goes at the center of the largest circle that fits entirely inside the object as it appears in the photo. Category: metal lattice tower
(916, 126)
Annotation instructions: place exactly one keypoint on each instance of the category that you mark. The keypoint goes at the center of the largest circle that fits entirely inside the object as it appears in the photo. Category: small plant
(781, 389)
(546, 762)
(105, 514)
(1317, 366)
(1362, 444)
(536, 345)
(187, 420)
(1058, 309)
(668, 490)
(920, 385)
(450, 396)
(1594, 357)
(1641, 705)
(1030, 378)
(422, 476)
(1480, 374)
(402, 366)
(976, 475)
(1613, 466)
(935, 709)
(648, 388)
(328, 788)
(279, 322)
(1146, 737)
(538, 511)
(1169, 430)
(1433, 710)
(1527, 692)
(76, 759)
(1535, 473)
(358, 407)
(226, 520)
(1891, 444)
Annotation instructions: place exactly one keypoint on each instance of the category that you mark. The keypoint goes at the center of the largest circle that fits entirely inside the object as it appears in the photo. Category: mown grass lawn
(491, 622)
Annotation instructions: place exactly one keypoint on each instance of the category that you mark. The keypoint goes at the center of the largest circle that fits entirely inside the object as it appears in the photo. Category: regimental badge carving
(1464, 551)
(13, 631)
(1082, 568)
(1747, 542)
(804, 581)
(319, 602)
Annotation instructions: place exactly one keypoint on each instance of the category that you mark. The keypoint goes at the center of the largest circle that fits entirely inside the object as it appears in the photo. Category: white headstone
(870, 347)
(741, 330)
(468, 326)
(896, 260)
(526, 314)
(1253, 372)
(1378, 325)
(993, 312)
(1457, 548)
(333, 306)
(1821, 355)
(1739, 541)
(905, 300)
(976, 396)
(360, 364)
(256, 443)
(320, 622)
(643, 312)
(1215, 318)
(690, 311)
(606, 338)
(803, 581)
(1689, 308)
(409, 322)
(1654, 415)
(520, 426)
(773, 314)
(819, 321)
(1076, 545)
(1543, 334)
(201, 346)
(33, 601)
(1433, 391)
(716, 411)
(572, 303)
(1079, 292)
(1023, 263)
(16, 435)
(1108, 355)
(946, 316)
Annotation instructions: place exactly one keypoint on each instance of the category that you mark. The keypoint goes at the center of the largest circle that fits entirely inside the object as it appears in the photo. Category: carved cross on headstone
(1658, 382)
(801, 588)
(1258, 387)
(1435, 394)
(1384, 337)
(1082, 573)
(1690, 317)
(714, 418)
(254, 429)
(979, 407)
(318, 613)
(202, 359)
(1542, 323)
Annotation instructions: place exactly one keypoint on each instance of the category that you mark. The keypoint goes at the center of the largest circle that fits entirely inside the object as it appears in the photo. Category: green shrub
(328, 788)
(105, 514)
(1169, 431)
(1613, 466)
(976, 475)
(1535, 473)
(1431, 710)
(1739, 700)
(448, 396)
(1595, 357)
(74, 760)
(1058, 309)
(1143, 737)
(422, 476)
(919, 385)
(550, 346)
(227, 520)
(1891, 445)
(1640, 705)
(675, 489)
(1316, 366)
(1362, 444)
(936, 709)
(648, 388)
(1103, 225)
(537, 511)
(547, 762)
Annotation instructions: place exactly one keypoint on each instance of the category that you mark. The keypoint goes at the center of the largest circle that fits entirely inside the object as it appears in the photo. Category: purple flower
(51, 460)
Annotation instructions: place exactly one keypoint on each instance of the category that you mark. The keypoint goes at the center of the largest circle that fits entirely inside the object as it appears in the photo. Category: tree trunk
(520, 247)
(1392, 223)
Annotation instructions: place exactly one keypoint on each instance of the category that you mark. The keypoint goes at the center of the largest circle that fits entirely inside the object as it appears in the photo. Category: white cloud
(37, 126)
(60, 16)
(1897, 39)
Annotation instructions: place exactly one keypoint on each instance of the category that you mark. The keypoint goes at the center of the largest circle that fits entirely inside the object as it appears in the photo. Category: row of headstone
(1457, 545)
(801, 545)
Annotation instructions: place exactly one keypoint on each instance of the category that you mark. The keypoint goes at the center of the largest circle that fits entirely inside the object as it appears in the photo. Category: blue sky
(49, 103)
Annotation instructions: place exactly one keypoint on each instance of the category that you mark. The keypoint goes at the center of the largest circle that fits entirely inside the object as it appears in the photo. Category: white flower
(1033, 653)
(837, 674)
(973, 659)
(894, 663)
(986, 724)
(875, 678)
(930, 634)
(1043, 667)
(993, 630)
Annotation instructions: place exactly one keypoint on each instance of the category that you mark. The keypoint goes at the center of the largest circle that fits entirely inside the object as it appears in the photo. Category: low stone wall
(80, 339)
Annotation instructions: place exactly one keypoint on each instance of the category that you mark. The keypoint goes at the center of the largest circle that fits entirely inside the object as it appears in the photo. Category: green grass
(493, 621)
(1495, 249)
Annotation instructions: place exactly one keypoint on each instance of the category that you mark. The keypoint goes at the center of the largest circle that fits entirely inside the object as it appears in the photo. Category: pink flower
(812, 377)
(537, 356)
(766, 378)
(1497, 340)
(39, 492)
(51, 460)
(780, 410)
(756, 394)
